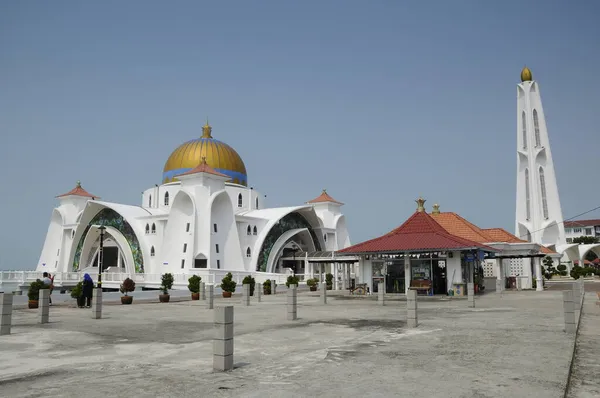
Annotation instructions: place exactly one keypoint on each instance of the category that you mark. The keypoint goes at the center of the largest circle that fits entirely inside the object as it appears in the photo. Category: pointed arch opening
(257, 203)
(153, 230)
(240, 200)
(255, 231)
(543, 191)
(147, 229)
(249, 230)
(536, 126)
(150, 201)
(166, 198)
(248, 252)
(524, 127)
(527, 195)
(152, 251)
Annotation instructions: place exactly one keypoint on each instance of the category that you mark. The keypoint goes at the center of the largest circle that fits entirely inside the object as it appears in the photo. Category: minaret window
(240, 200)
(248, 252)
(536, 126)
(524, 122)
(249, 230)
(150, 201)
(257, 203)
(527, 195)
(255, 231)
(147, 229)
(152, 252)
(153, 228)
(166, 198)
(543, 189)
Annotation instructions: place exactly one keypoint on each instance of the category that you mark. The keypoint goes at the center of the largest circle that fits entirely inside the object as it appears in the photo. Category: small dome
(217, 155)
(526, 75)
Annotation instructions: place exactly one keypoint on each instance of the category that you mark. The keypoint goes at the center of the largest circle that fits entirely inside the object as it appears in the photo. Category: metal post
(101, 256)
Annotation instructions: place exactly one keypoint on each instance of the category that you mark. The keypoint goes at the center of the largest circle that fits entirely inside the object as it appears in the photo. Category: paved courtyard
(509, 345)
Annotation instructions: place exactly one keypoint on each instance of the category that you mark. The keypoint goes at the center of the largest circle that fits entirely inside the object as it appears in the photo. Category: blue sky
(377, 101)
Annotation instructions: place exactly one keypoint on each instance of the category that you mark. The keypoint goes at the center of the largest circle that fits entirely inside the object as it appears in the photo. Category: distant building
(577, 228)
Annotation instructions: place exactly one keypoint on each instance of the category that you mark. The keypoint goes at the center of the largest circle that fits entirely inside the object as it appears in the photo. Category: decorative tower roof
(324, 198)
(203, 167)
(436, 209)
(78, 191)
(420, 205)
(526, 75)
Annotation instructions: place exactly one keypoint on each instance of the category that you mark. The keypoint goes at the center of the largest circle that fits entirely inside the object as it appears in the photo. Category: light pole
(101, 256)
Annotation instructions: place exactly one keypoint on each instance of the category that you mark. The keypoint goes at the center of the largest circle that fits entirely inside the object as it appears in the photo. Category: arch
(249, 230)
(166, 198)
(282, 242)
(153, 230)
(527, 196)
(248, 252)
(121, 230)
(78, 219)
(240, 200)
(524, 232)
(536, 126)
(543, 191)
(341, 233)
(152, 252)
(591, 247)
(228, 235)
(91, 247)
(550, 234)
(53, 240)
(150, 201)
(147, 228)
(524, 126)
(255, 231)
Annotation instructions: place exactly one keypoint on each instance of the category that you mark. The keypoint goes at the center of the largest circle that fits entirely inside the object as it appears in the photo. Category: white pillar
(246, 294)
(210, 296)
(471, 295)
(407, 275)
(499, 268)
(97, 304)
(6, 307)
(223, 341)
(323, 296)
(292, 302)
(258, 292)
(539, 276)
(411, 309)
(569, 310)
(344, 275)
(336, 284)
(202, 291)
(380, 294)
(44, 305)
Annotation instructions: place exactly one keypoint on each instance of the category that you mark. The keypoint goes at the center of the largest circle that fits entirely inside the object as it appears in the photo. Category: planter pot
(195, 296)
(80, 301)
(329, 287)
(265, 291)
(314, 288)
(164, 298)
(226, 294)
(126, 299)
(33, 304)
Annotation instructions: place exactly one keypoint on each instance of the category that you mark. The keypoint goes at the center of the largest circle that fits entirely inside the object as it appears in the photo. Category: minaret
(539, 216)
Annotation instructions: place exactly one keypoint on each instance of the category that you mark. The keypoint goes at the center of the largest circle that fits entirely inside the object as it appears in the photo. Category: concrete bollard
(97, 304)
(411, 309)
(18, 293)
(44, 305)
(323, 293)
(569, 309)
(576, 300)
(273, 287)
(6, 303)
(292, 313)
(380, 293)
(499, 285)
(471, 294)
(258, 292)
(246, 294)
(223, 341)
(210, 296)
(202, 291)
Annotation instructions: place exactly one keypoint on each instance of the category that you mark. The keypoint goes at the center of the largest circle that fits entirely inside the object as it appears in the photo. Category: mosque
(203, 219)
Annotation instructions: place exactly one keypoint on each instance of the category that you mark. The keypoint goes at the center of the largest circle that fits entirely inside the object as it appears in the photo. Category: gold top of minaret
(420, 204)
(526, 75)
(206, 130)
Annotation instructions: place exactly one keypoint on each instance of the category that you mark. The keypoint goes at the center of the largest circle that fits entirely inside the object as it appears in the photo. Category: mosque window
(182, 264)
(527, 195)
(325, 237)
(166, 198)
(147, 229)
(255, 231)
(217, 248)
(543, 189)
(218, 264)
(249, 230)
(240, 200)
(215, 228)
(257, 203)
(152, 252)
(153, 228)
(248, 252)
(150, 201)
(184, 247)
(536, 126)
(524, 122)
(72, 234)
(187, 227)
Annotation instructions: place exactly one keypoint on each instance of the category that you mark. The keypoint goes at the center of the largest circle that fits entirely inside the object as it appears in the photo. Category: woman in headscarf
(88, 289)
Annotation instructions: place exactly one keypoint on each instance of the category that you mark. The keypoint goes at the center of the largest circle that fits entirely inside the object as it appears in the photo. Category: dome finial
(526, 75)
(78, 184)
(207, 130)
(420, 204)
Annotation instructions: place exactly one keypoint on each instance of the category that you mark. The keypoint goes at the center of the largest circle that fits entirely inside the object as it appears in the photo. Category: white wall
(175, 234)
(53, 243)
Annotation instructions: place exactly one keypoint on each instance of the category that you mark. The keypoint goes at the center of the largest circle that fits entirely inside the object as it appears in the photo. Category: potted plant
(228, 285)
(292, 280)
(329, 281)
(34, 293)
(250, 280)
(77, 293)
(194, 286)
(312, 284)
(267, 287)
(167, 283)
(127, 286)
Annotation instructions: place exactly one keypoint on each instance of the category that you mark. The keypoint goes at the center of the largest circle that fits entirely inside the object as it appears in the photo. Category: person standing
(49, 282)
(88, 290)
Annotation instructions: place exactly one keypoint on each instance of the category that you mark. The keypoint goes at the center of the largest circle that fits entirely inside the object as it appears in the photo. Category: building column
(407, 275)
(335, 277)
(539, 276)
(344, 276)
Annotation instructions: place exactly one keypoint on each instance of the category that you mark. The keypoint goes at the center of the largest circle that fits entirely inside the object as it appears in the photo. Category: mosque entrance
(111, 258)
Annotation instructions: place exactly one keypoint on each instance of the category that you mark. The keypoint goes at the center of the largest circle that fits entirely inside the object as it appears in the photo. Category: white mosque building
(203, 219)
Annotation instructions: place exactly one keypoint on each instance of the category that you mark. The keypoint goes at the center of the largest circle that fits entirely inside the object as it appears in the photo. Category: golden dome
(526, 75)
(218, 155)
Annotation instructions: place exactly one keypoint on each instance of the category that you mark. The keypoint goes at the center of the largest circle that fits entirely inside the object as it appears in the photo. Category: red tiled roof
(582, 223)
(502, 235)
(203, 167)
(78, 191)
(458, 226)
(419, 233)
(324, 197)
